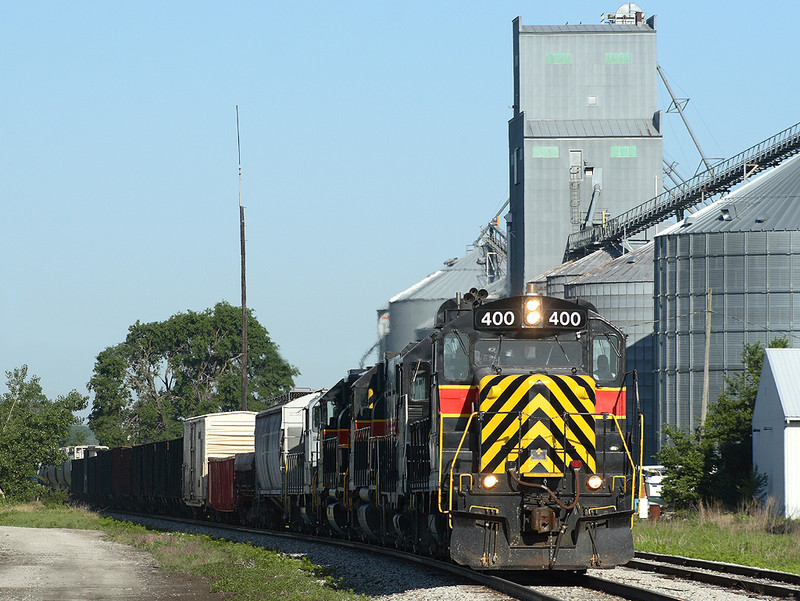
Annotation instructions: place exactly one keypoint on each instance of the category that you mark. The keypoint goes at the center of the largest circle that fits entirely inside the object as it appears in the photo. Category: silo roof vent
(629, 13)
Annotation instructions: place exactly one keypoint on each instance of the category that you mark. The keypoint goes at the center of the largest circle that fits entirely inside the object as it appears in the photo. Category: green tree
(187, 365)
(79, 434)
(31, 430)
(685, 459)
(728, 429)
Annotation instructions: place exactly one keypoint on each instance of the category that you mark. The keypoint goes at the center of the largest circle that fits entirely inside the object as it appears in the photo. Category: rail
(720, 178)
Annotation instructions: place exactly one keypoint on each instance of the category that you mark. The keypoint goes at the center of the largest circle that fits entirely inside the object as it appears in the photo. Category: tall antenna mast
(244, 271)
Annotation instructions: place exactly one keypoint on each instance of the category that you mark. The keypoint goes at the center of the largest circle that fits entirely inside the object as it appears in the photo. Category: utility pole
(704, 403)
(244, 271)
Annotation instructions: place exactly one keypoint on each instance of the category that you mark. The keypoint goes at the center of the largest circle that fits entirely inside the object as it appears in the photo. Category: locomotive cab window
(606, 354)
(562, 352)
(420, 381)
(456, 356)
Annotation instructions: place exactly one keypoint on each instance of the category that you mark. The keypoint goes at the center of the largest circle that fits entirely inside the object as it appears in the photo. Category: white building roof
(784, 366)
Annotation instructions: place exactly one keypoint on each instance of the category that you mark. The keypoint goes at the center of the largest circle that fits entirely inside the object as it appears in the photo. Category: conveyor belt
(719, 179)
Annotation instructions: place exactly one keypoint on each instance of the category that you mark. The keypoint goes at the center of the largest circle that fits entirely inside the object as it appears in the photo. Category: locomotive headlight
(594, 482)
(490, 481)
(533, 311)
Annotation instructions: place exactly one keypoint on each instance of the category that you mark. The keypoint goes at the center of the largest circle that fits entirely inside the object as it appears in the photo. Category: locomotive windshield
(539, 353)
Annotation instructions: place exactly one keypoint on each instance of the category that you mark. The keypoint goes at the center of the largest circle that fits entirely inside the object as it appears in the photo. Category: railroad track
(520, 585)
(733, 576)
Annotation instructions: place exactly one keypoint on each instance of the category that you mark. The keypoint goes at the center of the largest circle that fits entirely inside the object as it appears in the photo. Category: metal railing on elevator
(718, 179)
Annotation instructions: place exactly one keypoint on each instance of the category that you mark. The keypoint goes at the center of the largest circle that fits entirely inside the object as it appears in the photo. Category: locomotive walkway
(81, 565)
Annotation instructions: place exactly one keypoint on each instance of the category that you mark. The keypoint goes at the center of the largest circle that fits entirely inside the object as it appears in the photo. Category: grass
(246, 572)
(752, 536)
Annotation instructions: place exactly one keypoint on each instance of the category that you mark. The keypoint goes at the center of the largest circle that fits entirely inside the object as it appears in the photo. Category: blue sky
(374, 143)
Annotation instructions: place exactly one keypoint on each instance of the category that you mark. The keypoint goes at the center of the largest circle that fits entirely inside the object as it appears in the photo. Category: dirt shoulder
(66, 565)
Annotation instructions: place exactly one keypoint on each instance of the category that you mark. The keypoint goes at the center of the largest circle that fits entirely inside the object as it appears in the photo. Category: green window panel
(545, 152)
(623, 152)
(618, 58)
(559, 58)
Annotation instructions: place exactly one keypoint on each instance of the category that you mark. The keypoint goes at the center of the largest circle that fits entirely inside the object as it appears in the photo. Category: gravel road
(38, 564)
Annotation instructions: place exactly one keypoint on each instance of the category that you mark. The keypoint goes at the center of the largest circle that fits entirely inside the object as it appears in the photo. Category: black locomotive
(500, 441)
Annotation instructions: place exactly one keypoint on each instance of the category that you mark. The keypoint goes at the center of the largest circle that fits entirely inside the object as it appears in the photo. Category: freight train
(499, 441)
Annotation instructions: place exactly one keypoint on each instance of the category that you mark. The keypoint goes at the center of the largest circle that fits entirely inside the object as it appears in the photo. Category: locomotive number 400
(499, 318)
(565, 318)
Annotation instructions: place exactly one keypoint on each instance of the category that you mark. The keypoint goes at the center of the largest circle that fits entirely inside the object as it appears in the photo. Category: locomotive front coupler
(511, 471)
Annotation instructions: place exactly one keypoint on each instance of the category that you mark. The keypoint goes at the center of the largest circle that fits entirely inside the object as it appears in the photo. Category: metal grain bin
(745, 250)
(553, 281)
(622, 291)
(212, 435)
(412, 313)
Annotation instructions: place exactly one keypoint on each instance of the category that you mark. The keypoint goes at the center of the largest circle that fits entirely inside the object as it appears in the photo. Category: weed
(754, 535)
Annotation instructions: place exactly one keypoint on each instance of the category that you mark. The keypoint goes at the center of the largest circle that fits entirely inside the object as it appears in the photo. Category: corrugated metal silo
(412, 312)
(622, 291)
(552, 282)
(745, 250)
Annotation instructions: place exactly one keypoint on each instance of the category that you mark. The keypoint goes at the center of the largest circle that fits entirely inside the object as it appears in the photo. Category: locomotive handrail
(452, 465)
(627, 452)
(374, 442)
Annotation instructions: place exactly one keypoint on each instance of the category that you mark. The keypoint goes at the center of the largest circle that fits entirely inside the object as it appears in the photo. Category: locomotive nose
(538, 423)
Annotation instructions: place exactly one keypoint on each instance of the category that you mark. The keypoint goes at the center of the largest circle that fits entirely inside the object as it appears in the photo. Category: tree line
(144, 387)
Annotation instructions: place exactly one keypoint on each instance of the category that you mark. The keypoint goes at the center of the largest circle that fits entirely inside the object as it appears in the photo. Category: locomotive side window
(419, 391)
(420, 382)
(456, 356)
(606, 354)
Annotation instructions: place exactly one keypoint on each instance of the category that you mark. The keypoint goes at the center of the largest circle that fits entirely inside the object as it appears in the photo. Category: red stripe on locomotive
(379, 427)
(457, 400)
(343, 435)
(610, 400)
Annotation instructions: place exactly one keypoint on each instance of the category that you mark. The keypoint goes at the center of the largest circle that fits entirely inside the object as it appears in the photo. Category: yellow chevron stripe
(490, 453)
(541, 466)
(575, 403)
(502, 412)
(580, 422)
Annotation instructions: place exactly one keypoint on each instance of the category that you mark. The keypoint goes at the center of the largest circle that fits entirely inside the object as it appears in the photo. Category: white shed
(776, 427)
